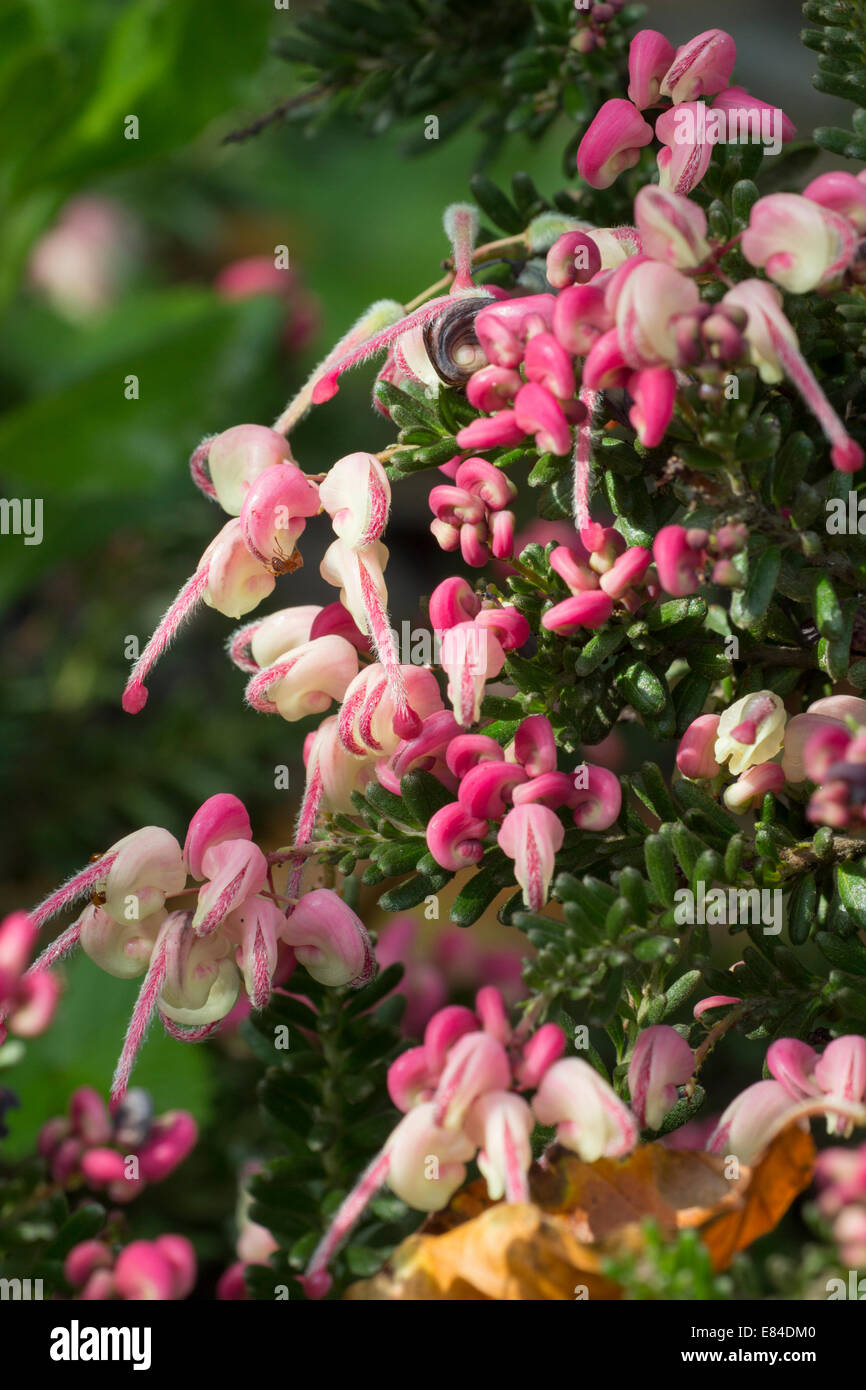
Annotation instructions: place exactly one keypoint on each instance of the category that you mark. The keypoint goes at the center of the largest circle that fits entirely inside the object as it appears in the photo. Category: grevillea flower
(661, 1061)
(225, 465)
(842, 193)
(686, 153)
(471, 655)
(838, 1074)
(650, 56)
(695, 754)
(145, 1270)
(306, 680)
(27, 1001)
(679, 556)
(368, 719)
(750, 731)
(701, 67)
(753, 785)
(590, 1118)
(653, 391)
(673, 229)
(458, 1094)
(531, 835)
(612, 143)
(356, 495)
(92, 1145)
(774, 350)
(590, 609)
(751, 1120)
(646, 298)
(799, 244)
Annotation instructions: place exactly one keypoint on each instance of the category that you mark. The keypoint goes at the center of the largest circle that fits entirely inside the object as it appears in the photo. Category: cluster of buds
(745, 738)
(161, 1270)
(592, 21)
(805, 1083)
(119, 1153)
(472, 512)
(676, 80)
(599, 569)
(765, 750)
(841, 1178)
(27, 1000)
(827, 746)
(520, 790)
(238, 934)
(463, 1094)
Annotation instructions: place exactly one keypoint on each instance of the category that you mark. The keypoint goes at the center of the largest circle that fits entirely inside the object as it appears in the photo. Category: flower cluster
(841, 1178)
(463, 1096)
(520, 789)
(120, 1152)
(27, 1000)
(677, 80)
(767, 751)
(195, 960)
(804, 1083)
(163, 1269)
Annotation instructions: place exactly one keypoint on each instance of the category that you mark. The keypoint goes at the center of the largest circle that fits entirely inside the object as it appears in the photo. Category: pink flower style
(197, 960)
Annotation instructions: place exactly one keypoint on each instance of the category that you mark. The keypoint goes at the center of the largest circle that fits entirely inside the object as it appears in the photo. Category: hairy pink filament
(307, 817)
(406, 722)
(190, 1035)
(300, 404)
(198, 467)
(325, 386)
(63, 945)
(316, 1280)
(261, 972)
(348, 711)
(74, 888)
(378, 512)
(800, 374)
(239, 648)
(142, 1014)
(583, 457)
(462, 245)
(256, 693)
(135, 694)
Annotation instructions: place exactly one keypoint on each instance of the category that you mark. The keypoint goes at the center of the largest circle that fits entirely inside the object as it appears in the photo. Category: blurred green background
(111, 251)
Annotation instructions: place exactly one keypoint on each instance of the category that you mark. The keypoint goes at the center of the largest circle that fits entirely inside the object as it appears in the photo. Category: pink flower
(701, 67)
(574, 258)
(649, 58)
(612, 143)
(27, 1001)
(673, 229)
(647, 297)
(455, 837)
(329, 939)
(306, 680)
(597, 797)
(531, 835)
(840, 193)
(800, 244)
(471, 655)
(591, 609)
(539, 413)
(653, 391)
(750, 1121)
(679, 555)
(356, 495)
(687, 150)
(661, 1061)
(234, 459)
(753, 786)
(695, 757)
(590, 1118)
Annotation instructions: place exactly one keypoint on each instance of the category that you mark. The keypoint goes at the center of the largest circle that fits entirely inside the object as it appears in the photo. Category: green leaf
(851, 883)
